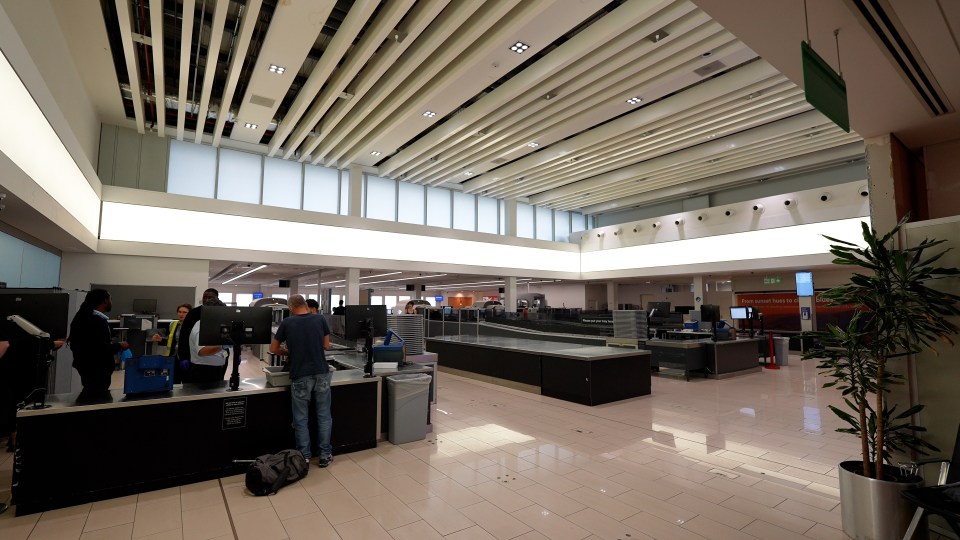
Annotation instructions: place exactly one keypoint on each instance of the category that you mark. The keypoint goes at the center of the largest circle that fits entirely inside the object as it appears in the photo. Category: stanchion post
(772, 364)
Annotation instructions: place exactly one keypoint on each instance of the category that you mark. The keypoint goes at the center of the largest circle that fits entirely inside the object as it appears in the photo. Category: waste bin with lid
(407, 402)
(781, 348)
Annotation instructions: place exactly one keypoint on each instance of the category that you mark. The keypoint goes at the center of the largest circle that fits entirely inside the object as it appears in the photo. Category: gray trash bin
(781, 348)
(408, 398)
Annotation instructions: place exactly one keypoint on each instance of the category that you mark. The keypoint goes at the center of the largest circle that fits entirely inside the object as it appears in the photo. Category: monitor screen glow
(804, 283)
(738, 312)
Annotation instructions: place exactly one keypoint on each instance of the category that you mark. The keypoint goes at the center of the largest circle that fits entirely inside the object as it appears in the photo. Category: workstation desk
(76, 452)
(715, 359)
(590, 375)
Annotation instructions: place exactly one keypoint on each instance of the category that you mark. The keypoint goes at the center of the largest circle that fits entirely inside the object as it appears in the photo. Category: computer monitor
(709, 313)
(804, 283)
(145, 305)
(658, 309)
(356, 317)
(739, 312)
(46, 310)
(217, 322)
(682, 309)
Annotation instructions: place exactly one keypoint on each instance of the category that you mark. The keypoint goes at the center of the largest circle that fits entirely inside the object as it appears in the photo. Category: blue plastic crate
(148, 374)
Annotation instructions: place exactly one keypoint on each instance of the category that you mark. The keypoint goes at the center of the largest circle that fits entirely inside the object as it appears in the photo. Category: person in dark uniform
(339, 310)
(91, 343)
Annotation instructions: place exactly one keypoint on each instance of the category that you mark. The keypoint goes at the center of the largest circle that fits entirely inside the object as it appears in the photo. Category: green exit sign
(771, 280)
(824, 88)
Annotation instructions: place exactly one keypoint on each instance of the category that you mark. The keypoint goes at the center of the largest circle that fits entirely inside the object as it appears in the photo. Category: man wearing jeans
(307, 336)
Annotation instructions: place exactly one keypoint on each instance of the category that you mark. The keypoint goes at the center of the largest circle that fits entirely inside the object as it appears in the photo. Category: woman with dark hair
(91, 343)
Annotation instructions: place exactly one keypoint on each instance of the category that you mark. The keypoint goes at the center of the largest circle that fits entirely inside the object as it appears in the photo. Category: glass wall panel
(577, 222)
(524, 220)
(487, 215)
(244, 299)
(464, 211)
(411, 209)
(544, 223)
(238, 177)
(192, 170)
(438, 207)
(381, 198)
(561, 226)
(320, 189)
(281, 182)
(503, 217)
(345, 194)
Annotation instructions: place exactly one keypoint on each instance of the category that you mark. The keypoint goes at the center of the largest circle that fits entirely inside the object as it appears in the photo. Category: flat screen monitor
(145, 305)
(217, 321)
(709, 313)
(448, 310)
(47, 311)
(355, 320)
(739, 312)
(682, 309)
(804, 283)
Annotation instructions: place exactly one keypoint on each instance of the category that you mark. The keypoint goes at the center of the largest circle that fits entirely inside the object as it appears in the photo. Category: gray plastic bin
(408, 398)
(781, 348)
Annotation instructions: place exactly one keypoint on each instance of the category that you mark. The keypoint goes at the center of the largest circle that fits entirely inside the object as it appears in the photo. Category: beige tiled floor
(747, 457)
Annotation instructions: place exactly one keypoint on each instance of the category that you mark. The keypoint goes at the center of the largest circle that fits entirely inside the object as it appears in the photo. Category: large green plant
(896, 314)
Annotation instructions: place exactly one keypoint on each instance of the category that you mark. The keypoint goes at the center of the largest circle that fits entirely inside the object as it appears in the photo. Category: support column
(808, 308)
(355, 207)
(897, 182)
(353, 286)
(511, 219)
(697, 292)
(510, 294)
(294, 288)
(611, 295)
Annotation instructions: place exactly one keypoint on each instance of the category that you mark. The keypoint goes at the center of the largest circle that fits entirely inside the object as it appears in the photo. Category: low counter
(717, 359)
(585, 374)
(75, 452)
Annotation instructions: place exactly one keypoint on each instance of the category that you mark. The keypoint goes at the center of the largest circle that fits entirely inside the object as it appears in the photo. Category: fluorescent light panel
(247, 273)
(429, 114)
(375, 153)
(277, 69)
(519, 47)
(248, 125)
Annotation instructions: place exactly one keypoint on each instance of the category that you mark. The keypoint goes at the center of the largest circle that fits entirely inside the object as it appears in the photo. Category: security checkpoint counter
(76, 452)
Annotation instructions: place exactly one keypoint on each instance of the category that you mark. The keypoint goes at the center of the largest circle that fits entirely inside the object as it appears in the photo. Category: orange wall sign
(781, 311)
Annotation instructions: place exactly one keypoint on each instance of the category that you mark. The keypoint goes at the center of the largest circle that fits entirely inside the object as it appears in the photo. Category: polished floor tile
(736, 459)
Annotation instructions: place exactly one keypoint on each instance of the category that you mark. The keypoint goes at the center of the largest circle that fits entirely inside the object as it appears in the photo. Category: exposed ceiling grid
(156, 49)
(242, 43)
(213, 53)
(133, 69)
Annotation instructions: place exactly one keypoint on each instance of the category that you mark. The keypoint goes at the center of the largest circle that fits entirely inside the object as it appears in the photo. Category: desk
(74, 453)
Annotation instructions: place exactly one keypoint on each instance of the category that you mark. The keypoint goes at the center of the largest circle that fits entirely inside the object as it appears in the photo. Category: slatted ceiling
(132, 62)
(247, 25)
(157, 45)
(186, 43)
(213, 53)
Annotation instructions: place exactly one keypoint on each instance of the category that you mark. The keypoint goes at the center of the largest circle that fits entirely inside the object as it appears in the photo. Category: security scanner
(236, 327)
(365, 322)
(44, 358)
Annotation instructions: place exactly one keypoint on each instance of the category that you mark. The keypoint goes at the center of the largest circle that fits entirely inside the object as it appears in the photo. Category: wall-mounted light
(825, 196)
(702, 217)
(790, 203)
(864, 191)
(758, 208)
(729, 212)
(656, 224)
(678, 222)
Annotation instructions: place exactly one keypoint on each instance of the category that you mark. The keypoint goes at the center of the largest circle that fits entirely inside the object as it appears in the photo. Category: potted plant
(896, 314)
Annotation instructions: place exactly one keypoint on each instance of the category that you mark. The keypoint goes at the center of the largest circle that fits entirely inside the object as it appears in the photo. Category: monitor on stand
(235, 326)
(710, 313)
(365, 322)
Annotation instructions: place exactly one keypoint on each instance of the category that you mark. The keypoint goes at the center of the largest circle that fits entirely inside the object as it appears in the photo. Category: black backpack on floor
(270, 472)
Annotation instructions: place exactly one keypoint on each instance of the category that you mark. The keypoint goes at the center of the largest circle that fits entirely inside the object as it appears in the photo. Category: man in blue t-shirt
(307, 336)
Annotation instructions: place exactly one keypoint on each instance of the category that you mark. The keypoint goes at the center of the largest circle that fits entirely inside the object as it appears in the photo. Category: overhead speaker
(411, 287)
(284, 283)
(502, 290)
(423, 288)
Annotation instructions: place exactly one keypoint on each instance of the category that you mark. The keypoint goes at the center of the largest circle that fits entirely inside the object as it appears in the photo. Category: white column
(883, 210)
(697, 292)
(356, 193)
(611, 295)
(510, 293)
(810, 324)
(294, 287)
(511, 219)
(353, 286)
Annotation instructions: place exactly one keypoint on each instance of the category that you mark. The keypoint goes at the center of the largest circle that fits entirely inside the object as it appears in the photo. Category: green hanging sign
(824, 88)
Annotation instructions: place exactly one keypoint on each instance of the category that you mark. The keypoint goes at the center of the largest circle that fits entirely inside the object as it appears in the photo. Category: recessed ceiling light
(707, 54)
(634, 100)
(533, 144)
(519, 47)
(277, 69)
(468, 173)
(250, 126)
(658, 35)
(375, 153)
(429, 114)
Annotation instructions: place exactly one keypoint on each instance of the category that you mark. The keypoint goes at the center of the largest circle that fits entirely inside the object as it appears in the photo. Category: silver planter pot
(873, 509)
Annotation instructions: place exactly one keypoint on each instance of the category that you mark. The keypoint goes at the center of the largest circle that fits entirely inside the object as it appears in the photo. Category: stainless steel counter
(544, 348)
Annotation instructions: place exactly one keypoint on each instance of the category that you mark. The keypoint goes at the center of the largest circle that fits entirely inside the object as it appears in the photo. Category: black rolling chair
(943, 498)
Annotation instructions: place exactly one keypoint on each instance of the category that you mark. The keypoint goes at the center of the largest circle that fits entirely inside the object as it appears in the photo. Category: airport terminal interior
(598, 228)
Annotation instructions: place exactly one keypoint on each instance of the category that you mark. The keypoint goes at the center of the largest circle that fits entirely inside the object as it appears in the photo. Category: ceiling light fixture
(277, 69)
(375, 153)
(248, 125)
(429, 114)
(468, 173)
(402, 279)
(248, 272)
(533, 144)
(380, 275)
(634, 100)
(658, 35)
(519, 47)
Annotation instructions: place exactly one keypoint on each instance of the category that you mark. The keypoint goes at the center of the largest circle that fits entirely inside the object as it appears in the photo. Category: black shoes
(324, 462)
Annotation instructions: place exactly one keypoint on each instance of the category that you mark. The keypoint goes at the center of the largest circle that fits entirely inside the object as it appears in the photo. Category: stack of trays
(410, 330)
(630, 324)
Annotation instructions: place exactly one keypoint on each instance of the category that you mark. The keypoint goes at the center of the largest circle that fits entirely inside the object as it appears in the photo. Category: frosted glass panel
(238, 178)
(344, 194)
(281, 183)
(577, 222)
(524, 220)
(40, 268)
(544, 223)
(438, 207)
(411, 208)
(503, 217)
(487, 215)
(244, 299)
(464, 211)
(381, 198)
(192, 170)
(12, 259)
(320, 189)
(561, 226)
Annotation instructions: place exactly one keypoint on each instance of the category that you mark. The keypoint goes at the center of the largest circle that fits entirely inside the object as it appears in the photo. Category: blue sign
(805, 313)
(257, 295)
(438, 298)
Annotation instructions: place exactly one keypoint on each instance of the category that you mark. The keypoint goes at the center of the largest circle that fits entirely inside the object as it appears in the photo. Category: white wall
(79, 270)
(559, 295)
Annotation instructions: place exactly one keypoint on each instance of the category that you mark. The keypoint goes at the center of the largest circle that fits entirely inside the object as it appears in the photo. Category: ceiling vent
(498, 161)
(710, 68)
(881, 22)
(262, 101)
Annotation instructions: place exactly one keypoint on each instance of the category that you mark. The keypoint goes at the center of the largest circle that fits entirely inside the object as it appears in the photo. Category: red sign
(781, 311)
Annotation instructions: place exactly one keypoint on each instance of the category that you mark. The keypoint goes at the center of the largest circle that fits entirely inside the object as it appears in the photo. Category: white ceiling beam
(156, 47)
(339, 46)
(130, 55)
(186, 43)
(213, 54)
(242, 43)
